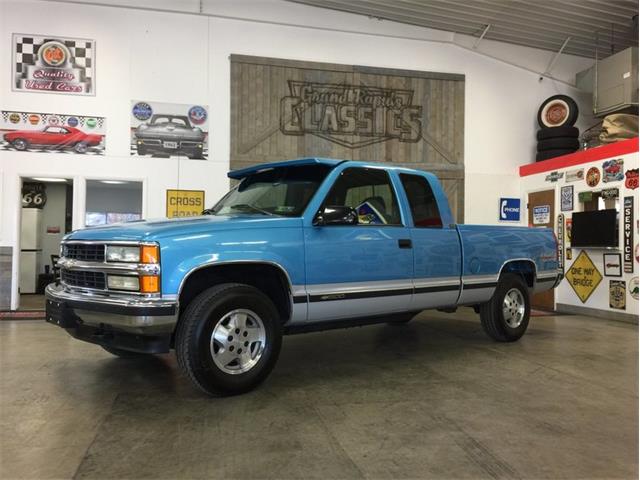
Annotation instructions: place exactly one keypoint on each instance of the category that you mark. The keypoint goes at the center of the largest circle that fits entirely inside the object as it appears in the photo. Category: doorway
(46, 216)
(541, 208)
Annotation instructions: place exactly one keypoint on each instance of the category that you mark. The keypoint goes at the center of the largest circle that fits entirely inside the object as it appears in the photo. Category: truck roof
(332, 162)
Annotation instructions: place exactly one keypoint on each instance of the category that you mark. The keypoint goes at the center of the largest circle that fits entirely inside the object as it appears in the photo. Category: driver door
(363, 269)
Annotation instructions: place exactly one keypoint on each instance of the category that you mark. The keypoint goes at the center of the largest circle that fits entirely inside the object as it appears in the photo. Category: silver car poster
(52, 64)
(169, 130)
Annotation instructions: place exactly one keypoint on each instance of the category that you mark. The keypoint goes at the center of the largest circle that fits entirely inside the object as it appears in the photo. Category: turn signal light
(149, 284)
(149, 254)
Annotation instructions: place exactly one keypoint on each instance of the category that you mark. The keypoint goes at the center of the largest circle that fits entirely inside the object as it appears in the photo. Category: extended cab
(301, 245)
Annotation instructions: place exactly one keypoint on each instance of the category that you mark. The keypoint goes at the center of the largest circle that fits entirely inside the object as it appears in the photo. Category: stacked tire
(557, 135)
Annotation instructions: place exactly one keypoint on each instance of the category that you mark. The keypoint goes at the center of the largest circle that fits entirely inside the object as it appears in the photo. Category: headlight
(121, 282)
(117, 253)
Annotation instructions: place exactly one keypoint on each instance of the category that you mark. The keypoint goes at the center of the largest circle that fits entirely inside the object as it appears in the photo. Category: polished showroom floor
(434, 398)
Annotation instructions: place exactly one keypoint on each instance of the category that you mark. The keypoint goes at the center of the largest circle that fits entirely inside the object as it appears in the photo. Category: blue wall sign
(510, 209)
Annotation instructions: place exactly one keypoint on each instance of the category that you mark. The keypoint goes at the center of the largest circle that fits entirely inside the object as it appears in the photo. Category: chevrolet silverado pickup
(296, 246)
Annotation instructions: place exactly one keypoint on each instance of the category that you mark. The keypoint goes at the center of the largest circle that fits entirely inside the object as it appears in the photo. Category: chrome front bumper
(128, 314)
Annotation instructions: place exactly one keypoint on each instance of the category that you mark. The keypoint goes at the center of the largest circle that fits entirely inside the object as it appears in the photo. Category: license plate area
(59, 314)
(170, 144)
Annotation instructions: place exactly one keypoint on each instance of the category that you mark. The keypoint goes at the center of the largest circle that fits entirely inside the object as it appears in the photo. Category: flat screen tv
(596, 229)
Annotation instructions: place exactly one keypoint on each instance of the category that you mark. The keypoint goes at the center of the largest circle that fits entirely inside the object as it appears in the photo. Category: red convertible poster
(53, 64)
(50, 132)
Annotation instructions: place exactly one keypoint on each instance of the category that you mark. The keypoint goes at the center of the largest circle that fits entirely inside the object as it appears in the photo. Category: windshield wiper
(245, 206)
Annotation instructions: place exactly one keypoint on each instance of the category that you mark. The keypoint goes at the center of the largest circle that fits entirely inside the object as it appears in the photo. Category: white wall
(564, 293)
(184, 58)
(53, 215)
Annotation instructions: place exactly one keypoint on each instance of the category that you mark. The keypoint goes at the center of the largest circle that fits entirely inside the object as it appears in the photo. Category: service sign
(185, 203)
(53, 64)
(510, 209)
(627, 210)
(583, 276)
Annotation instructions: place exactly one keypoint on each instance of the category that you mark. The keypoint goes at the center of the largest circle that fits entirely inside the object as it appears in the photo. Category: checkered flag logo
(26, 54)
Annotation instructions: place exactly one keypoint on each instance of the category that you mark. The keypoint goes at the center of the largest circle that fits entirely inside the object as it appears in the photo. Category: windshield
(283, 191)
(163, 120)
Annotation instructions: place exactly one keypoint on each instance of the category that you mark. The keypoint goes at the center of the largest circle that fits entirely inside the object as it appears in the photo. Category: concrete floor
(433, 399)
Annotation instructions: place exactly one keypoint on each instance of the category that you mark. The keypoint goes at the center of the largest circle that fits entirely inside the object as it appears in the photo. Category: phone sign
(510, 209)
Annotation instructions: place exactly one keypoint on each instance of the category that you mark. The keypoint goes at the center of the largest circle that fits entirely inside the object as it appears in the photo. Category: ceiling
(545, 24)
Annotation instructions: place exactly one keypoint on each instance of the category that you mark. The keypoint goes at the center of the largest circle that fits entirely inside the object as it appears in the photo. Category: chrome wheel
(81, 147)
(513, 307)
(238, 341)
(20, 144)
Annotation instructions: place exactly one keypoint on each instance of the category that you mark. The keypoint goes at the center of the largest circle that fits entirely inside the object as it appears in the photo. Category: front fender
(283, 247)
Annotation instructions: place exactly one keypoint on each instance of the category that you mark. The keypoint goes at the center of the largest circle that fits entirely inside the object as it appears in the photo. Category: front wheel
(20, 144)
(505, 317)
(229, 339)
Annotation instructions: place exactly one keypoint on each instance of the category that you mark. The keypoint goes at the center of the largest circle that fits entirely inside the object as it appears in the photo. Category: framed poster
(618, 294)
(52, 133)
(185, 203)
(566, 198)
(53, 64)
(169, 130)
(612, 264)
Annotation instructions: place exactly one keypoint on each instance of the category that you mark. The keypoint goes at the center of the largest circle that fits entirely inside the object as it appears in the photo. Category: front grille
(82, 279)
(84, 252)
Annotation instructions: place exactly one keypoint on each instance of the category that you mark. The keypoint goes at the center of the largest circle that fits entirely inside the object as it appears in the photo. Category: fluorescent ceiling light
(47, 179)
(113, 182)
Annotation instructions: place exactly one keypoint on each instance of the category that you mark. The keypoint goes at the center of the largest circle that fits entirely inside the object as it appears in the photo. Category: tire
(126, 354)
(20, 144)
(547, 154)
(80, 147)
(559, 143)
(210, 337)
(557, 111)
(492, 315)
(556, 132)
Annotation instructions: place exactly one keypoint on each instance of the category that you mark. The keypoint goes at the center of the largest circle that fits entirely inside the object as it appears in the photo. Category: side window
(56, 130)
(369, 192)
(422, 202)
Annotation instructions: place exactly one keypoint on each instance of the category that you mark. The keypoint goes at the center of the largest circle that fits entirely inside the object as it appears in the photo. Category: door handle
(404, 243)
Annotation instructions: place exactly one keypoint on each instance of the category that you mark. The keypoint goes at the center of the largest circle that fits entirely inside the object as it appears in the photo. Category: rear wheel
(229, 339)
(505, 317)
(80, 147)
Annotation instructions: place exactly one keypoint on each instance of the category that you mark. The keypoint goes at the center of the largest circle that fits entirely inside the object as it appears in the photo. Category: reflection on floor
(31, 307)
(434, 398)
(31, 302)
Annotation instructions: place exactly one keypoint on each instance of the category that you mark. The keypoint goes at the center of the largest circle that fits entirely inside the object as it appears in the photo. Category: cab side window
(424, 208)
(369, 192)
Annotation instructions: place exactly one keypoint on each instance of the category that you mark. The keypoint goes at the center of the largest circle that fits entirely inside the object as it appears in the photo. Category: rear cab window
(422, 201)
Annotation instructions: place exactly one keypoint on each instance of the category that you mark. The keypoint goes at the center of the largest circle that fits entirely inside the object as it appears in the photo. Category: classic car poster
(617, 294)
(613, 170)
(53, 64)
(52, 133)
(169, 130)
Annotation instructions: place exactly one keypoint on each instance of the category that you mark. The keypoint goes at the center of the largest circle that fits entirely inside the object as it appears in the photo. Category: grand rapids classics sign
(342, 113)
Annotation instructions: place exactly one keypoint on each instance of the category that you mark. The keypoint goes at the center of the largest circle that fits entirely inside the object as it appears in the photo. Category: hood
(156, 230)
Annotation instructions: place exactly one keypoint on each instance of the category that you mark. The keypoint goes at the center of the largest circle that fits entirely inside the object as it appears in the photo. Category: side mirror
(336, 215)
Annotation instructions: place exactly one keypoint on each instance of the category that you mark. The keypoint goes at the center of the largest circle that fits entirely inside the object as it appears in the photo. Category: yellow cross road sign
(185, 203)
(583, 276)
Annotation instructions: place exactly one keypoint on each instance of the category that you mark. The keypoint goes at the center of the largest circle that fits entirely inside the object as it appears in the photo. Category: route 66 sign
(33, 195)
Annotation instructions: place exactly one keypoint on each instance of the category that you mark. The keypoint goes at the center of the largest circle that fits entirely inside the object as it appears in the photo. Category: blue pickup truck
(296, 246)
